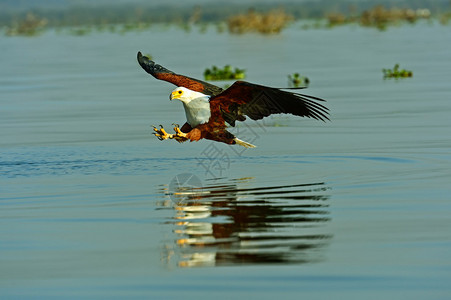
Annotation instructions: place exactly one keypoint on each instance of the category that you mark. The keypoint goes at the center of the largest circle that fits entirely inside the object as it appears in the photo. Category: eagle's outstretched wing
(242, 98)
(162, 73)
(256, 101)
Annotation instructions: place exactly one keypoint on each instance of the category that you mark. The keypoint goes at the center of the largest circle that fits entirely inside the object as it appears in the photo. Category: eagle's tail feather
(243, 143)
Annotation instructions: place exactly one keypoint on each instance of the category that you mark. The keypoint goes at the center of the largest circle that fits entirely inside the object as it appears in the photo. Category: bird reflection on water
(231, 224)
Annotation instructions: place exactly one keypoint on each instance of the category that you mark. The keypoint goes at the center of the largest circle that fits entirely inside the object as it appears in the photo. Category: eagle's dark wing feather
(162, 73)
(257, 101)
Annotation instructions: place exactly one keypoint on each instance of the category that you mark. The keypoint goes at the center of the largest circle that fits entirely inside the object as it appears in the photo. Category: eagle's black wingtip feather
(145, 63)
(318, 111)
(315, 109)
(140, 57)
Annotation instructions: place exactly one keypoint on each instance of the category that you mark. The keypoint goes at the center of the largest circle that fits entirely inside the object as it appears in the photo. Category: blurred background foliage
(27, 17)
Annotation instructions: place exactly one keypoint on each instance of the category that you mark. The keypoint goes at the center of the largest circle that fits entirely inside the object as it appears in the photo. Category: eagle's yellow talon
(179, 135)
(162, 131)
(161, 134)
(179, 132)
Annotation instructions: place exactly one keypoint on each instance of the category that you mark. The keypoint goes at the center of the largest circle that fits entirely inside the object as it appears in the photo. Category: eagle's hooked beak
(175, 95)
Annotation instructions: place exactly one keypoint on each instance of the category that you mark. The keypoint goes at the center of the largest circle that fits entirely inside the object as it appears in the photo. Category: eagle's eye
(180, 92)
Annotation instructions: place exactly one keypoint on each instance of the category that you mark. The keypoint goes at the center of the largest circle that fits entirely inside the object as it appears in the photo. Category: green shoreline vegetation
(266, 19)
(380, 17)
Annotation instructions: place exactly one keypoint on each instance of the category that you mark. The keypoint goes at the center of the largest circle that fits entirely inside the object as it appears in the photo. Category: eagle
(208, 107)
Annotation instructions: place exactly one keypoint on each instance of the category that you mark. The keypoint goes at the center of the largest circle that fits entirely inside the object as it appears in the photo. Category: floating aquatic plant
(226, 73)
(296, 80)
(396, 72)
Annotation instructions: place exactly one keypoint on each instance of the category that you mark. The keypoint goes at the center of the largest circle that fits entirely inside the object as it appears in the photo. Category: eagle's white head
(185, 95)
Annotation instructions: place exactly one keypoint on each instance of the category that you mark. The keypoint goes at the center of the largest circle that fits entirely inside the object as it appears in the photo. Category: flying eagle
(208, 107)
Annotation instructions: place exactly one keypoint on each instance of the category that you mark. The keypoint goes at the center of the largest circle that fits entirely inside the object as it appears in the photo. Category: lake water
(92, 205)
